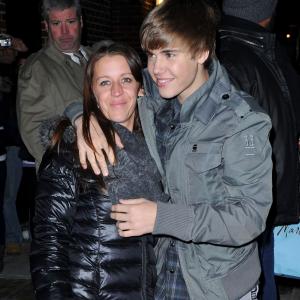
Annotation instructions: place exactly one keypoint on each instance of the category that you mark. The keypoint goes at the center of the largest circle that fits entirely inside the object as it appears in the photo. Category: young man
(53, 77)
(211, 145)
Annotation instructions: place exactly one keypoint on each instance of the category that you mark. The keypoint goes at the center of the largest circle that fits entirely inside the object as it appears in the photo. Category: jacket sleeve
(41, 97)
(247, 182)
(34, 105)
(73, 111)
(54, 206)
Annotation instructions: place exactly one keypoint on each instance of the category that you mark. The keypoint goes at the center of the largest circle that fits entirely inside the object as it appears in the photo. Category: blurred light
(159, 2)
(288, 36)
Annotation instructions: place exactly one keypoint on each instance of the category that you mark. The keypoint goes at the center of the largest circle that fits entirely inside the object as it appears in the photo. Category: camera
(5, 41)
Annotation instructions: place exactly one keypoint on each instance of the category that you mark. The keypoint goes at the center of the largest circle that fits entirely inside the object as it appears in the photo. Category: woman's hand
(86, 153)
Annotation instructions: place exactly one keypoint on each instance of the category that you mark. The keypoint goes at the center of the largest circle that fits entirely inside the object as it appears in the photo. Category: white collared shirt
(75, 58)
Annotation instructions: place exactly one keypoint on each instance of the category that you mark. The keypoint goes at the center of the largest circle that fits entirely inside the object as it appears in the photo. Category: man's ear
(141, 92)
(202, 57)
(46, 26)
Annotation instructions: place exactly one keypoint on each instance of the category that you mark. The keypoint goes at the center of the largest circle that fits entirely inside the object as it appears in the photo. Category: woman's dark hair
(90, 107)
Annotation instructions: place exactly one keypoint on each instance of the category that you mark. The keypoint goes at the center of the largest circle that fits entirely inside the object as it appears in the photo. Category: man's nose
(64, 28)
(158, 66)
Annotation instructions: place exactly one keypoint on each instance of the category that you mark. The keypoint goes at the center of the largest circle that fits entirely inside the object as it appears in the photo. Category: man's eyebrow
(66, 20)
(170, 50)
(167, 50)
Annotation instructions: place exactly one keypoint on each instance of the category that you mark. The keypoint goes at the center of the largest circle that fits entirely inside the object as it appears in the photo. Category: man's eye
(170, 54)
(150, 55)
(55, 23)
(72, 21)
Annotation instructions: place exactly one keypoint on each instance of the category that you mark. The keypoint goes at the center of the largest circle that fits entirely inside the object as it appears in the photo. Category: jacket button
(172, 126)
(172, 271)
(172, 244)
(225, 96)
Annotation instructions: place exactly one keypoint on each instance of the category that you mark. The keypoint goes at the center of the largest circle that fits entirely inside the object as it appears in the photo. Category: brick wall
(114, 19)
(127, 16)
(106, 19)
(97, 17)
(2, 16)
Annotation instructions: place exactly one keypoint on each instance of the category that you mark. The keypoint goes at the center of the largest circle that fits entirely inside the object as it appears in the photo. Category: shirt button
(172, 126)
(225, 96)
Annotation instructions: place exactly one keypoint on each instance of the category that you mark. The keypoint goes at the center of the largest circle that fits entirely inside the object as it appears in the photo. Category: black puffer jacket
(257, 65)
(77, 252)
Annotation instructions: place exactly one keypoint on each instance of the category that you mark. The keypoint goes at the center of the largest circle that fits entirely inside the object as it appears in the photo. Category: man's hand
(8, 55)
(18, 45)
(96, 159)
(134, 217)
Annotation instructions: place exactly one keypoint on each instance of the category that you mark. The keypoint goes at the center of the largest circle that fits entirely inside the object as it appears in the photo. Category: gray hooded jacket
(219, 175)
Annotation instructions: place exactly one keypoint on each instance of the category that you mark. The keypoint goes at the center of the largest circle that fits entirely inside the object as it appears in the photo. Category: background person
(52, 77)
(257, 64)
(10, 172)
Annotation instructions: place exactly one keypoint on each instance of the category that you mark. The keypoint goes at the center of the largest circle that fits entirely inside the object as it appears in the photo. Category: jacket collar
(57, 55)
(246, 32)
(202, 104)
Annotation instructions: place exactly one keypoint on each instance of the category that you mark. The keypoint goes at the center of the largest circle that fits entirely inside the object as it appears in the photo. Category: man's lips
(162, 82)
(66, 40)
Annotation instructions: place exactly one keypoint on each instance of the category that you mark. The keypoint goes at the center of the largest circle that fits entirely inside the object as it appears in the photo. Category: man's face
(64, 29)
(175, 72)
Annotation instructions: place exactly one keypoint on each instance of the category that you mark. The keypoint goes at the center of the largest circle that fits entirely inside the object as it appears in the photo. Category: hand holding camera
(9, 48)
(5, 41)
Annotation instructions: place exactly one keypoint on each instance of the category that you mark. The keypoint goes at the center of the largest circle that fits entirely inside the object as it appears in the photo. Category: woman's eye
(104, 83)
(127, 80)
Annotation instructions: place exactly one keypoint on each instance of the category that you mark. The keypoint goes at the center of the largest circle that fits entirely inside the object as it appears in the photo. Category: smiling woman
(75, 239)
(116, 89)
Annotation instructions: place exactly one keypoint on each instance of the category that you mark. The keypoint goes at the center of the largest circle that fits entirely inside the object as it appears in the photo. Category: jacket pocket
(205, 166)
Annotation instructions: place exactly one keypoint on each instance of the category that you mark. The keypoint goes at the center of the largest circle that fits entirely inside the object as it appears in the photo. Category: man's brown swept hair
(193, 22)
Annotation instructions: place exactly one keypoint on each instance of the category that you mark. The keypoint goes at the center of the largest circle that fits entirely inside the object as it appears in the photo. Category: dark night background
(23, 20)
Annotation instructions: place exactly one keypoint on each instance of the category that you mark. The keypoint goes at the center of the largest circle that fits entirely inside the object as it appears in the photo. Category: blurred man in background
(258, 65)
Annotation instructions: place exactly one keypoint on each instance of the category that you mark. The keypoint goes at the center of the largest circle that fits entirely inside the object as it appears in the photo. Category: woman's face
(115, 89)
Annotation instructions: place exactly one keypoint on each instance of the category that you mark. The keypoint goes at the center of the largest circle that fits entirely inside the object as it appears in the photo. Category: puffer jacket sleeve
(54, 207)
